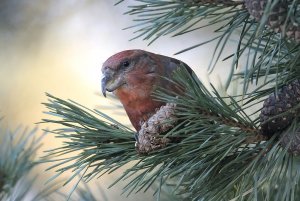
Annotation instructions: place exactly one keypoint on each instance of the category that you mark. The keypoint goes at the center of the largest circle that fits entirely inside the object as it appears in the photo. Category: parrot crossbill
(133, 76)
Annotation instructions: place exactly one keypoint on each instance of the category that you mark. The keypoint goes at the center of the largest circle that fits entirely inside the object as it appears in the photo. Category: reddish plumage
(133, 75)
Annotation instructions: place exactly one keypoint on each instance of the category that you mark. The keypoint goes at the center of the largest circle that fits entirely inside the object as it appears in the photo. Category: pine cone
(287, 97)
(291, 141)
(277, 17)
(148, 138)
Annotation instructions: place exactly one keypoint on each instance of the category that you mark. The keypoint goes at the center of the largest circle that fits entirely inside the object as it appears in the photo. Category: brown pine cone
(148, 138)
(291, 141)
(283, 102)
(277, 17)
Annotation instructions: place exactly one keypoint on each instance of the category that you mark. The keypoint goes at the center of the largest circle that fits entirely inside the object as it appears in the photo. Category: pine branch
(272, 63)
(163, 17)
(213, 159)
(17, 160)
(105, 144)
(268, 41)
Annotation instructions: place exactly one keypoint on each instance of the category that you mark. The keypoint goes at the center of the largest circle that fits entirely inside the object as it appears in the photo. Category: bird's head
(128, 70)
(133, 76)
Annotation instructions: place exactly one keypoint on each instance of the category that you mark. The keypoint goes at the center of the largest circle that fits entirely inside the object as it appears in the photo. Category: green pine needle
(17, 160)
(270, 57)
(212, 160)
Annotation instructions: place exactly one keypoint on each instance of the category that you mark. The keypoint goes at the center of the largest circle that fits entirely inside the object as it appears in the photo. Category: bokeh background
(59, 46)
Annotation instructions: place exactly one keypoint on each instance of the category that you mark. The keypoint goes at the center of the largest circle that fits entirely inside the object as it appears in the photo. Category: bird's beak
(103, 85)
(111, 81)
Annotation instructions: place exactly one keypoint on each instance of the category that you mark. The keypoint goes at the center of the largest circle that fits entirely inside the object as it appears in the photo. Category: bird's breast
(139, 107)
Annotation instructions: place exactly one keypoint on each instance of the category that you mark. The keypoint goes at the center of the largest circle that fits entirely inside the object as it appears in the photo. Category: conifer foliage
(215, 149)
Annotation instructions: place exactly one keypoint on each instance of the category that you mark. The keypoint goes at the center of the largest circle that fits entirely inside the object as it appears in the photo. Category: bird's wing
(181, 63)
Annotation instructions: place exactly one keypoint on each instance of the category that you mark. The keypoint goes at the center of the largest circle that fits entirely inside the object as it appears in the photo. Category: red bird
(133, 76)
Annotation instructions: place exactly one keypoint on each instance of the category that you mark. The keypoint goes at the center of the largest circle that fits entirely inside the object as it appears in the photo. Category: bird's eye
(126, 63)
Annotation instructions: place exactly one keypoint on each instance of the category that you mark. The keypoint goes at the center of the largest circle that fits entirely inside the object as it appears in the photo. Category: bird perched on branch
(133, 75)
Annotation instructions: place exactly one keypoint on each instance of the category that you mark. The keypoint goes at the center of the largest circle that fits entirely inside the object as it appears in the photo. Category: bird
(133, 75)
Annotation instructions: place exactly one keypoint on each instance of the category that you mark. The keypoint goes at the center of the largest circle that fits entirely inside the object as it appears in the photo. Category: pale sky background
(59, 46)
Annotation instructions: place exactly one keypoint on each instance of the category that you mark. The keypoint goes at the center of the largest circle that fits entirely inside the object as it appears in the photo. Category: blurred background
(58, 47)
